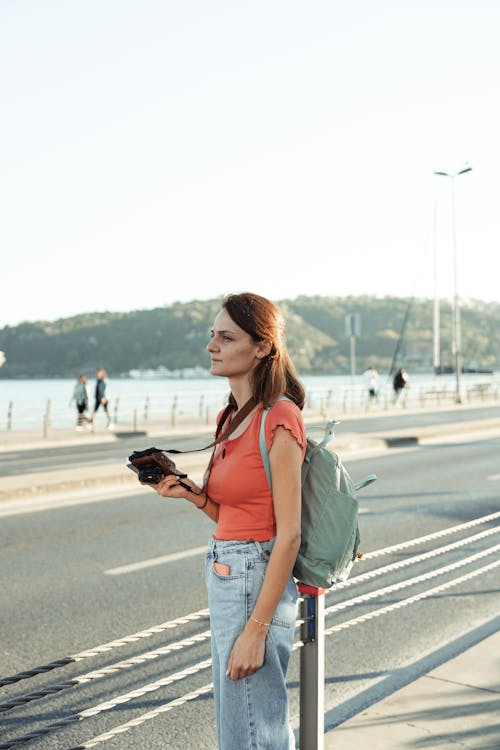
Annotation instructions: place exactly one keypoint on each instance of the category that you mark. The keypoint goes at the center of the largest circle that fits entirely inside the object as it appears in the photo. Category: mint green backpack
(329, 524)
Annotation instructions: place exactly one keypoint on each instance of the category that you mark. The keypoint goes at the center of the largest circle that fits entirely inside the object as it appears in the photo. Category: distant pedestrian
(399, 383)
(81, 398)
(371, 378)
(100, 395)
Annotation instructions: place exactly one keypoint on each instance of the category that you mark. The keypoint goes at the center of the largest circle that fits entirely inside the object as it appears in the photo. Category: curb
(117, 474)
(349, 447)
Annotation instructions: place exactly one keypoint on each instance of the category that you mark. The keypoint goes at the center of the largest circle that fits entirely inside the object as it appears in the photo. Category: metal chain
(412, 560)
(430, 537)
(202, 613)
(145, 717)
(410, 581)
(111, 669)
(106, 706)
(411, 600)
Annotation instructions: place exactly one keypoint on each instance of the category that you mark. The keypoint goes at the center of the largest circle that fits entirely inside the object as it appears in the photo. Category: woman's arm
(285, 457)
(170, 487)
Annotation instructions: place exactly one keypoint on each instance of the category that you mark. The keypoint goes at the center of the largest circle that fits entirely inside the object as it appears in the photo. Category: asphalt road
(79, 576)
(46, 459)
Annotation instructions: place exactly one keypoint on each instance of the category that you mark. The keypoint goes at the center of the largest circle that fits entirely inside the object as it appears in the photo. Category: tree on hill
(175, 337)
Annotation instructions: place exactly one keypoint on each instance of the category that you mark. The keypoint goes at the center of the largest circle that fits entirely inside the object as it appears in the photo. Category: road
(80, 576)
(29, 461)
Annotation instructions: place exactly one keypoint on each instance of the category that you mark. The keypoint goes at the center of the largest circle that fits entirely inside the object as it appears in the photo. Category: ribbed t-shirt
(238, 481)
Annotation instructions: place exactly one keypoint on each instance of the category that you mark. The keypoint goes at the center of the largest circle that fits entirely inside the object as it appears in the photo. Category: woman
(81, 398)
(399, 383)
(100, 394)
(251, 592)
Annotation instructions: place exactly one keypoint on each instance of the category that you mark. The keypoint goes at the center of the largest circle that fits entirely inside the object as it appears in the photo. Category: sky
(158, 151)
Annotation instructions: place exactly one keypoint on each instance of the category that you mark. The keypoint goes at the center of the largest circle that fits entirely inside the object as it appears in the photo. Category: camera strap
(231, 427)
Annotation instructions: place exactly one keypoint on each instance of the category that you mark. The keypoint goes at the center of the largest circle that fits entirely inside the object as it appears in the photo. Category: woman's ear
(263, 349)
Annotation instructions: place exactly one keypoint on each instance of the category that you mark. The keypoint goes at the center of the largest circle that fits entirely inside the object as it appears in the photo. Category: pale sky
(157, 151)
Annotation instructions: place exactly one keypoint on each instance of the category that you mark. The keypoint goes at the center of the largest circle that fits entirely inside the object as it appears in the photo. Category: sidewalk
(347, 445)
(456, 705)
(34, 484)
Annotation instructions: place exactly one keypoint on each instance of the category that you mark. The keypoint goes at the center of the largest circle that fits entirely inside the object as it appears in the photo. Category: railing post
(46, 419)
(146, 409)
(312, 669)
(9, 415)
(173, 417)
(115, 416)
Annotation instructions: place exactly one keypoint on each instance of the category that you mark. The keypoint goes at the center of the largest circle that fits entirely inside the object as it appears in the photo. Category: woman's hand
(169, 487)
(247, 654)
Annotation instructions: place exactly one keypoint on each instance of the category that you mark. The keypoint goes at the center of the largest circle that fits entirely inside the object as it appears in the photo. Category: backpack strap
(262, 442)
(264, 453)
(365, 481)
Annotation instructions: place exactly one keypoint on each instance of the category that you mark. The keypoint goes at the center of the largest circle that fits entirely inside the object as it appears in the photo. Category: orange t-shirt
(238, 481)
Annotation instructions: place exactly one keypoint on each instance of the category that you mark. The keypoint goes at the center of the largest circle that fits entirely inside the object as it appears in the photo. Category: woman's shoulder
(285, 406)
(285, 413)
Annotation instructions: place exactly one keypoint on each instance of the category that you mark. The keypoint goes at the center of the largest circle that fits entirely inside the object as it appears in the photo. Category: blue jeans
(251, 713)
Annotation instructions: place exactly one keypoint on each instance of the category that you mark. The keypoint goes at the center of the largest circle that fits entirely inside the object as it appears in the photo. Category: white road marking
(65, 499)
(156, 561)
(494, 477)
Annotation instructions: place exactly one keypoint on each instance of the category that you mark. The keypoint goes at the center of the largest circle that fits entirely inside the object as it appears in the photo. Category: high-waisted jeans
(251, 713)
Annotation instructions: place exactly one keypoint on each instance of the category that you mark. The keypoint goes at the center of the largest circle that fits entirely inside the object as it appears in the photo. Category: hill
(175, 337)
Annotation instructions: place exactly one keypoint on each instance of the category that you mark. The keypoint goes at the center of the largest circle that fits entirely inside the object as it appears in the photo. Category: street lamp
(456, 335)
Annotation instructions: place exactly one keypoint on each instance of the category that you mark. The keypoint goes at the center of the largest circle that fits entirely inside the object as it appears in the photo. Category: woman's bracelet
(260, 623)
(200, 507)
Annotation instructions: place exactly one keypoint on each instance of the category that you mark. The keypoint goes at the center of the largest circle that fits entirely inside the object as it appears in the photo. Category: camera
(150, 474)
(152, 465)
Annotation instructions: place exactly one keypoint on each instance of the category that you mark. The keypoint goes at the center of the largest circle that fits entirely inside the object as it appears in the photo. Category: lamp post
(456, 334)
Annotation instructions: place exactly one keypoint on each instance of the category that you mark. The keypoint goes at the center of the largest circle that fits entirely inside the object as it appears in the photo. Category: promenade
(456, 704)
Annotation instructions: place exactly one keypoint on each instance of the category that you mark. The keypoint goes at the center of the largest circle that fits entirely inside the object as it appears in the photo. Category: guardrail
(313, 633)
(172, 410)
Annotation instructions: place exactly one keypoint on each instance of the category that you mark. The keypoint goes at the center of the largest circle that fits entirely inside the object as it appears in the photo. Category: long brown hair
(275, 374)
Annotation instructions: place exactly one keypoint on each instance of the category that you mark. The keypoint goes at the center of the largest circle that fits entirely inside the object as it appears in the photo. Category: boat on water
(163, 373)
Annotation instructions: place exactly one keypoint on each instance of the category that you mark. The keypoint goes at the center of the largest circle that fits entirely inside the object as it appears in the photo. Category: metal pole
(46, 419)
(312, 669)
(437, 322)
(353, 358)
(456, 338)
(456, 333)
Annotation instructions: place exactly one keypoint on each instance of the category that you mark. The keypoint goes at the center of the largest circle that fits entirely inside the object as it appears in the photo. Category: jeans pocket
(235, 565)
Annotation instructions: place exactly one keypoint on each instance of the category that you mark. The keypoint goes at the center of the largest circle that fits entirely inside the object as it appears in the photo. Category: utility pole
(437, 322)
(353, 329)
(456, 331)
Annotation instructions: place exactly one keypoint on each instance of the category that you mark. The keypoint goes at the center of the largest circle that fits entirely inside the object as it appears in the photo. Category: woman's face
(233, 352)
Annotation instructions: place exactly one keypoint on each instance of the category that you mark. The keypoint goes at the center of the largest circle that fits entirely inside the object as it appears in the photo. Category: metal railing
(199, 408)
(314, 613)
